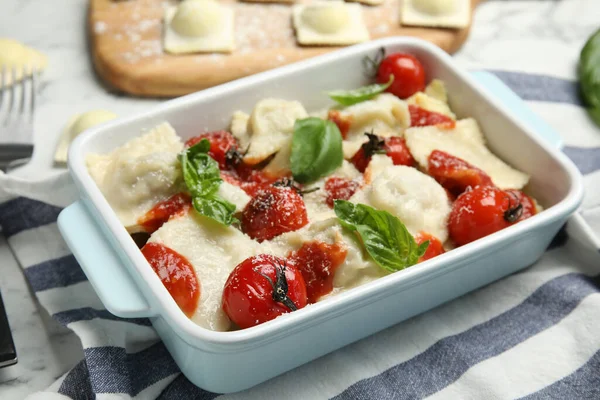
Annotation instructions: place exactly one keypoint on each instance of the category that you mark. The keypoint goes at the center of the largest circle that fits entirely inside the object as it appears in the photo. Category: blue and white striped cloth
(532, 335)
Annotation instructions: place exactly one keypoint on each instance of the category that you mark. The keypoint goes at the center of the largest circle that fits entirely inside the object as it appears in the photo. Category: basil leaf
(385, 238)
(316, 149)
(202, 177)
(350, 97)
(216, 208)
(589, 75)
(422, 249)
(201, 174)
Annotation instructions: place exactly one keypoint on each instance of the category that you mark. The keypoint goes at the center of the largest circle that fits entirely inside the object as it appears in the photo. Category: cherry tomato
(434, 249)
(422, 117)
(176, 273)
(527, 202)
(361, 159)
(317, 262)
(343, 122)
(177, 204)
(220, 143)
(231, 177)
(272, 211)
(451, 196)
(394, 147)
(484, 210)
(340, 189)
(262, 288)
(248, 179)
(409, 75)
(455, 174)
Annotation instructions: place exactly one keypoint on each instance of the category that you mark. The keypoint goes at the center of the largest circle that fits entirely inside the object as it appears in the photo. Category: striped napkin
(531, 335)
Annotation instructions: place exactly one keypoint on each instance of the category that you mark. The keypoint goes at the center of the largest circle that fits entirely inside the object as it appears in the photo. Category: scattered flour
(100, 27)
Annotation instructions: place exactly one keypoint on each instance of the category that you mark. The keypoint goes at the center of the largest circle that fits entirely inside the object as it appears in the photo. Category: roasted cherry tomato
(434, 249)
(221, 142)
(455, 174)
(272, 211)
(340, 189)
(451, 196)
(343, 122)
(527, 202)
(231, 177)
(262, 288)
(256, 180)
(176, 273)
(249, 179)
(486, 209)
(361, 159)
(422, 117)
(409, 75)
(394, 147)
(159, 214)
(317, 262)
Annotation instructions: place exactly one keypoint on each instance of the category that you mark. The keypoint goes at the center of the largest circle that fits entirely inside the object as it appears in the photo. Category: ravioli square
(329, 23)
(368, 2)
(219, 38)
(436, 13)
(268, 1)
(465, 141)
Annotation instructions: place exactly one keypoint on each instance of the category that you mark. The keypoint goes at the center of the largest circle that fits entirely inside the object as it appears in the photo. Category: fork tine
(3, 85)
(24, 72)
(12, 95)
(34, 72)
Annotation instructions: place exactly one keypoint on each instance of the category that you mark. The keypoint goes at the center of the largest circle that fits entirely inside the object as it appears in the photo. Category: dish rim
(163, 305)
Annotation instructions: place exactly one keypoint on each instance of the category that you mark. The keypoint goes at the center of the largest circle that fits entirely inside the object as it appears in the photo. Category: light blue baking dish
(232, 361)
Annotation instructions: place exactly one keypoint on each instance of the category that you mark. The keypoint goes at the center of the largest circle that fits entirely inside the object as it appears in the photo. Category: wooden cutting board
(126, 43)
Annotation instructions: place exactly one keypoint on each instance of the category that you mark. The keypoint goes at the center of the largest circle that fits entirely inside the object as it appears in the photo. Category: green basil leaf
(216, 208)
(202, 177)
(385, 238)
(422, 249)
(206, 175)
(203, 146)
(350, 97)
(316, 149)
(589, 75)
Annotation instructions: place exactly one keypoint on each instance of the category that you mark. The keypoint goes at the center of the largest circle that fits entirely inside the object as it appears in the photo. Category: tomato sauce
(177, 204)
(176, 273)
(435, 246)
(248, 179)
(343, 122)
(220, 143)
(455, 174)
(339, 189)
(422, 117)
(317, 262)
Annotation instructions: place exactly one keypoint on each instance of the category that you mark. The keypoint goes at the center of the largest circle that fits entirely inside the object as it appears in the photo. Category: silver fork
(17, 106)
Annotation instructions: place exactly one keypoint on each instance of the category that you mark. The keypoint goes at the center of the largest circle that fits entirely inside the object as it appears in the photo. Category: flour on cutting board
(100, 27)
(144, 32)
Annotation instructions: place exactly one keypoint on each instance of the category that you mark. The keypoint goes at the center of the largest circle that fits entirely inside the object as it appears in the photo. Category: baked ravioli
(289, 207)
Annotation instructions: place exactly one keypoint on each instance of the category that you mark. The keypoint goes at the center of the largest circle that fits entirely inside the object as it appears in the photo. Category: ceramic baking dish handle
(576, 226)
(103, 267)
(517, 106)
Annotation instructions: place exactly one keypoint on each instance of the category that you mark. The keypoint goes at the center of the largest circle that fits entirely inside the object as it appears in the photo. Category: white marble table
(501, 37)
